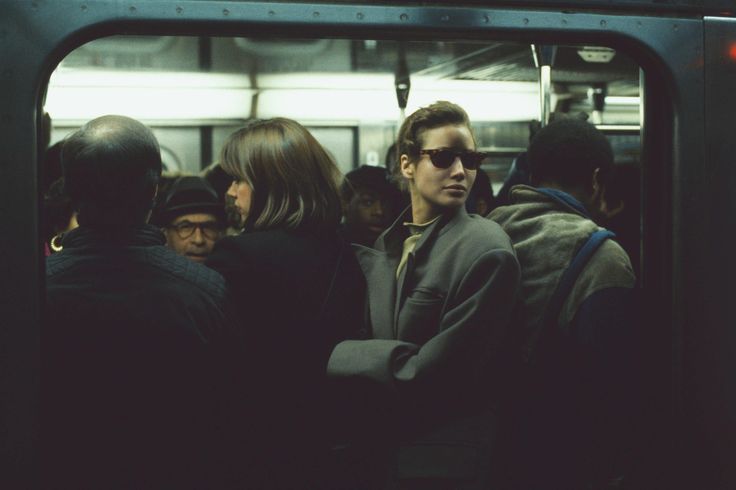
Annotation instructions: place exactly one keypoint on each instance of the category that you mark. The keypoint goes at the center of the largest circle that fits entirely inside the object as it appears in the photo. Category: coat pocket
(419, 317)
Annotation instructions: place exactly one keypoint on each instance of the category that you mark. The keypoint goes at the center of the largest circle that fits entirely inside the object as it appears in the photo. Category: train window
(194, 91)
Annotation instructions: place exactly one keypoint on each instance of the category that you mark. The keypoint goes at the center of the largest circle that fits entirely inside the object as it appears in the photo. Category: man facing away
(128, 328)
(574, 413)
(192, 218)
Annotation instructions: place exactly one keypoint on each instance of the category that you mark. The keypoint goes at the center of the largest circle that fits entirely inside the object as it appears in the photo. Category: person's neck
(579, 195)
(422, 212)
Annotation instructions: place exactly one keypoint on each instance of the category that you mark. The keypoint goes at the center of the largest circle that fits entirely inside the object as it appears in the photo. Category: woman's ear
(407, 167)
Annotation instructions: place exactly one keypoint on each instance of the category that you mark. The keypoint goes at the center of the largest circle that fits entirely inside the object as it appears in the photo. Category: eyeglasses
(210, 229)
(443, 157)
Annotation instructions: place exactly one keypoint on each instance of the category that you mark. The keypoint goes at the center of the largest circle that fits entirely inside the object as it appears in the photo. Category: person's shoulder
(67, 263)
(484, 234)
(58, 263)
(274, 249)
(186, 271)
(259, 240)
(612, 264)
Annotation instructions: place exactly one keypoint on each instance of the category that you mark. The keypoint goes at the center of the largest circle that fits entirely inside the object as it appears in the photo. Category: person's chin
(454, 202)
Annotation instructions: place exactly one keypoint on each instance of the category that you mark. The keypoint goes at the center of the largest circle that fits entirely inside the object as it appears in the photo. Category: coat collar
(142, 235)
(392, 240)
(565, 198)
(524, 194)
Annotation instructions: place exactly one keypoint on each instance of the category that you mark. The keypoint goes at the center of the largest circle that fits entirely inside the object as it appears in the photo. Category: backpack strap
(567, 281)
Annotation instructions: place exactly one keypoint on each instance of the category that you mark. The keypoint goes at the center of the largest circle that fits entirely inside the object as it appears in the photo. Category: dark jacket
(278, 283)
(128, 331)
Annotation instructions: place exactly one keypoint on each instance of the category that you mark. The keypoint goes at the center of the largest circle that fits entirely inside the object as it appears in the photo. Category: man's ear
(407, 166)
(596, 184)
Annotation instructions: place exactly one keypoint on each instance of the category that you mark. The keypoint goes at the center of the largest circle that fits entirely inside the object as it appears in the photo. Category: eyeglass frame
(432, 152)
(201, 226)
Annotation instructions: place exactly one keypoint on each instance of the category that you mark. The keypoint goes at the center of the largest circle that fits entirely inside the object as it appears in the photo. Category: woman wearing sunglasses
(294, 288)
(441, 285)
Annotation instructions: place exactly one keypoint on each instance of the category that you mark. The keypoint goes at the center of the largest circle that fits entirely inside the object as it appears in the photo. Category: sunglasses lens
(471, 161)
(443, 158)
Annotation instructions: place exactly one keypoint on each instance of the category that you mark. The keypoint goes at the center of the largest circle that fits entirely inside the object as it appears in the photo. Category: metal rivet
(179, 10)
(675, 27)
(133, 9)
(445, 18)
(526, 21)
(271, 13)
(564, 22)
(604, 23)
(638, 24)
(315, 14)
(84, 8)
(486, 19)
(360, 16)
(404, 17)
(225, 12)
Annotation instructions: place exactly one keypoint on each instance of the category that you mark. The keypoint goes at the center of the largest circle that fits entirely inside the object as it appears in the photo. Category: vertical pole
(544, 59)
(545, 93)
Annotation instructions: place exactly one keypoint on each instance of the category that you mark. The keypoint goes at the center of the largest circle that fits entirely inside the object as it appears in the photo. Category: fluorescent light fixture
(80, 96)
(620, 100)
(349, 98)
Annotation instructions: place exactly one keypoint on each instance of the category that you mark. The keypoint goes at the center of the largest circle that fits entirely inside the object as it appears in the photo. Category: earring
(55, 243)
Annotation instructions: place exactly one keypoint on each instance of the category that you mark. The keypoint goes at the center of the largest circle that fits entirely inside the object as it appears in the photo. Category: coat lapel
(379, 266)
(401, 288)
(380, 270)
(425, 243)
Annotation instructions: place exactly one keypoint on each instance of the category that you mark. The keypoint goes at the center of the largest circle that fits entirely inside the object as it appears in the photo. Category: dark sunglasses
(443, 157)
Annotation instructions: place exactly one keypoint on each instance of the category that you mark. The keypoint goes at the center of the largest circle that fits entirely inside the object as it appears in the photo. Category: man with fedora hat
(192, 217)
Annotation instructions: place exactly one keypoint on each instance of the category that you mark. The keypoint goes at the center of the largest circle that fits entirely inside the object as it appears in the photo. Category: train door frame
(36, 35)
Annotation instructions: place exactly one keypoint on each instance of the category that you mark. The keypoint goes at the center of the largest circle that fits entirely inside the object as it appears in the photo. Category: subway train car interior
(655, 77)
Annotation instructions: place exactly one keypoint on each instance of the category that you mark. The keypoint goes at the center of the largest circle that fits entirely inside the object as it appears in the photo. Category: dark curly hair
(567, 152)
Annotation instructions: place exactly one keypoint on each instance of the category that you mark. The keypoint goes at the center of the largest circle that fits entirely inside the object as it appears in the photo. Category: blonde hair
(294, 181)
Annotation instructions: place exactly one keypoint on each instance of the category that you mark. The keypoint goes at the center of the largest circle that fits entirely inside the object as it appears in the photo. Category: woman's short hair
(436, 115)
(294, 181)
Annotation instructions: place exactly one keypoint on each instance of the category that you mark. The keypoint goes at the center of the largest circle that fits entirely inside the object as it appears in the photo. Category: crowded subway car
(208, 80)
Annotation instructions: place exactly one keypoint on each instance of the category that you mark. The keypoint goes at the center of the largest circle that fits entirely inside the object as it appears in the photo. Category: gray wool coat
(436, 328)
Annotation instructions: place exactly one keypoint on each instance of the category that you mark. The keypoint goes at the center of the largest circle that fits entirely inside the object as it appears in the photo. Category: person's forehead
(194, 218)
(447, 136)
(367, 191)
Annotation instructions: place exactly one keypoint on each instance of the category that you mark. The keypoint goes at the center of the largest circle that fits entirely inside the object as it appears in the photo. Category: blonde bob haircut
(294, 182)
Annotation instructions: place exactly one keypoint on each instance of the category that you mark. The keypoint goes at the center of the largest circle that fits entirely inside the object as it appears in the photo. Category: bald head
(111, 167)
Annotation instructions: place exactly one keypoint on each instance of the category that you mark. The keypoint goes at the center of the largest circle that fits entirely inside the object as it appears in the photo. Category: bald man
(129, 328)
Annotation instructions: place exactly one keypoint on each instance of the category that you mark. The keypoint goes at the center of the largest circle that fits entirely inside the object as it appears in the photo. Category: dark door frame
(685, 93)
